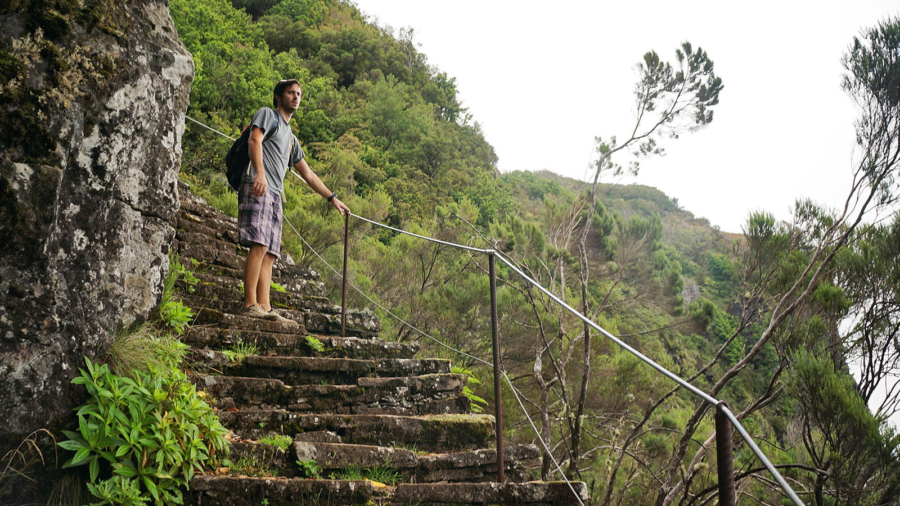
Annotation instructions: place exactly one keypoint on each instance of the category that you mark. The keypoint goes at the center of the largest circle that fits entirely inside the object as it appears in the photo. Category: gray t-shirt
(276, 148)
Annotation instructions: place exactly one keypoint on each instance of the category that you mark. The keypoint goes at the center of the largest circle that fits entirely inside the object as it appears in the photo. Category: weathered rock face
(92, 103)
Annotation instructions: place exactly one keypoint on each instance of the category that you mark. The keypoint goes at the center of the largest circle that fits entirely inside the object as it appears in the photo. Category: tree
(669, 100)
(872, 75)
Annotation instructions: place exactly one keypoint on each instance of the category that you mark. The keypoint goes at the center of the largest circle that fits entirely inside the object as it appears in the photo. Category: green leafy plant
(478, 403)
(176, 315)
(117, 491)
(152, 427)
(315, 344)
(183, 273)
(280, 440)
(240, 351)
(278, 288)
(309, 469)
(172, 312)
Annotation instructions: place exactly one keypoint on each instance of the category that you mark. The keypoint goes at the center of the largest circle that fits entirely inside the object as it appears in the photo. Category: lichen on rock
(92, 103)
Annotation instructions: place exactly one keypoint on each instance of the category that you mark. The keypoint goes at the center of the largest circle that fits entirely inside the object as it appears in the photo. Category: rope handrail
(678, 380)
(432, 239)
(674, 377)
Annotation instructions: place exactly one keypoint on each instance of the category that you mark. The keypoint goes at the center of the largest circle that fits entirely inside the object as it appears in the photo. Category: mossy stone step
(305, 295)
(466, 466)
(417, 395)
(243, 491)
(433, 433)
(209, 490)
(411, 464)
(206, 316)
(316, 370)
(556, 493)
(190, 224)
(201, 239)
(297, 345)
(360, 324)
(210, 255)
(295, 287)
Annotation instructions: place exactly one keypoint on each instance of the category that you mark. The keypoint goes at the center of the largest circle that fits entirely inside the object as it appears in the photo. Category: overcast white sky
(545, 78)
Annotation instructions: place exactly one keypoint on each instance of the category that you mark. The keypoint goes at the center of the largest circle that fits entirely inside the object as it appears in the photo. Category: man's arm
(254, 148)
(317, 185)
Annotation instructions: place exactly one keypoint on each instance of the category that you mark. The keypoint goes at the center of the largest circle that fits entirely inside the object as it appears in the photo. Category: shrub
(116, 491)
(152, 427)
(309, 468)
(172, 312)
(314, 344)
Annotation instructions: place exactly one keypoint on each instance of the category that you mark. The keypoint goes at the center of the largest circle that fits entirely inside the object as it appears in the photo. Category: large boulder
(92, 102)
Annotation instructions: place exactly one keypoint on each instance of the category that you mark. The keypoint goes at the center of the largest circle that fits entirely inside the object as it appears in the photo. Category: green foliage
(841, 431)
(175, 315)
(478, 403)
(310, 12)
(172, 312)
(279, 440)
(256, 465)
(239, 351)
(278, 288)
(117, 491)
(309, 469)
(381, 474)
(151, 427)
(314, 344)
(142, 350)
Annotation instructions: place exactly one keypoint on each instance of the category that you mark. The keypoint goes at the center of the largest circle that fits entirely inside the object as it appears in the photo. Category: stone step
(411, 465)
(205, 316)
(362, 324)
(317, 370)
(204, 239)
(308, 294)
(244, 491)
(438, 433)
(215, 255)
(197, 205)
(297, 345)
(189, 223)
(430, 394)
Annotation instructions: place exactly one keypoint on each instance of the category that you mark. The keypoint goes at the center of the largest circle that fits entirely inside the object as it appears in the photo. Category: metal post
(724, 457)
(344, 279)
(495, 339)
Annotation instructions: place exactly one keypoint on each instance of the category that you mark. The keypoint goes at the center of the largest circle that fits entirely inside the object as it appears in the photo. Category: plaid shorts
(259, 219)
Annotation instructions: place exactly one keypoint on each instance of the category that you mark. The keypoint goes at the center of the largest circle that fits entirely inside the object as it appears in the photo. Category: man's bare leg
(252, 267)
(265, 282)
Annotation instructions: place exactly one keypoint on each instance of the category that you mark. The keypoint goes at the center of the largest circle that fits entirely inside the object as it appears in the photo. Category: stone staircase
(346, 403)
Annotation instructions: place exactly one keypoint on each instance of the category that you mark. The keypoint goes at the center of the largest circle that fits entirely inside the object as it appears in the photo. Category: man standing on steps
(272, 146)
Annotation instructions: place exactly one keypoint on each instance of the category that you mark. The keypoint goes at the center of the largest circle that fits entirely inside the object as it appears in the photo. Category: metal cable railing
(725, 419)
(460, 352)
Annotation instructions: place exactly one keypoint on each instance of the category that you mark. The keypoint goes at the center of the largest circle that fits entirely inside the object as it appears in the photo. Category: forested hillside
(754, 319)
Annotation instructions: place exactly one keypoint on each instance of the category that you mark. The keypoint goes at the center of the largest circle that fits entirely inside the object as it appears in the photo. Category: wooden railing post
(495, 340)
(725, 458)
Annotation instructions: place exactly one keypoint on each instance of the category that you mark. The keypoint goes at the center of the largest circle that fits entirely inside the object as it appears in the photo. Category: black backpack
(237, 161)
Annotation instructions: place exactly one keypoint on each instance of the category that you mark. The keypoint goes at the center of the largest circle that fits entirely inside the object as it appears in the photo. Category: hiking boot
(256, 311)
(281, 319)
